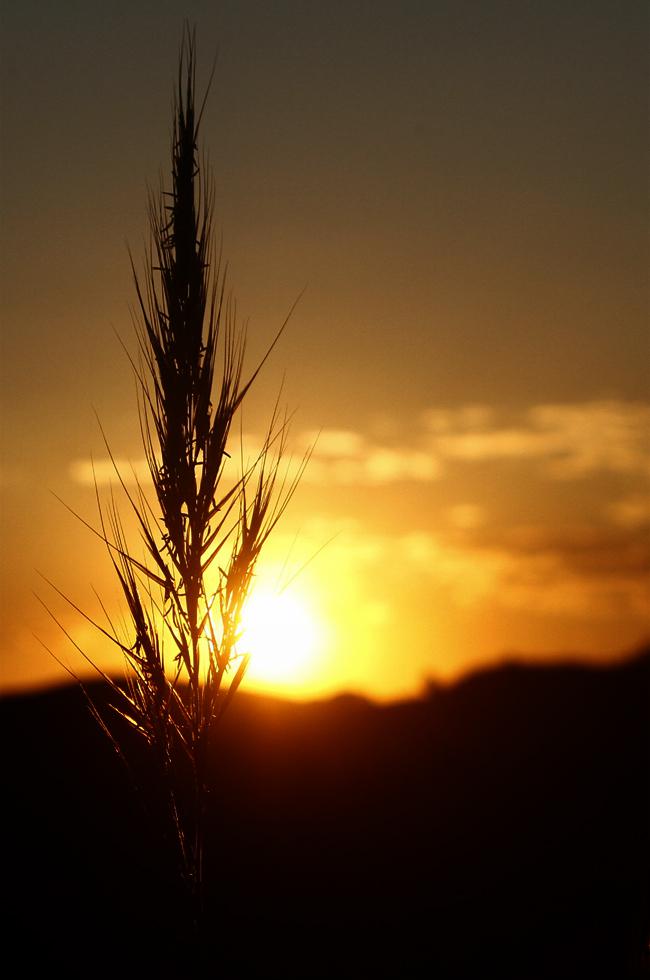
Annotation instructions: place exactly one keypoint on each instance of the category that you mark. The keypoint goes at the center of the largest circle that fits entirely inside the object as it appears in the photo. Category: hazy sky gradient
(462, 189)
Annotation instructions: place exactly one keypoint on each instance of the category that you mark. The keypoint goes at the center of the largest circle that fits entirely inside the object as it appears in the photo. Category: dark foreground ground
(496, 829)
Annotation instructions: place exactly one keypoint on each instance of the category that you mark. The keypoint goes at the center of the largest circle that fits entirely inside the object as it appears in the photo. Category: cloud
(391, 465)
(569, 440)
(574, 570)
(565, 441)
(605, 435)
(335, 443)
(632, 511)
(104, 471)
(466, 517)
(498, 444)
(468, 577)
(467, 417)
(345, 457)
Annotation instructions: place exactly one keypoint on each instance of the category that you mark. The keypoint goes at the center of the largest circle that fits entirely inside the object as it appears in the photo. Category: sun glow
(281, 633)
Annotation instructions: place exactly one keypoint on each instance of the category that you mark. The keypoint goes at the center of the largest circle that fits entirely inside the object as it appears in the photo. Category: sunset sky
(460, 188)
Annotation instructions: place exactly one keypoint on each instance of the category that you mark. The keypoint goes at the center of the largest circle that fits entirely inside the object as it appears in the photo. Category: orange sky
(462, 192)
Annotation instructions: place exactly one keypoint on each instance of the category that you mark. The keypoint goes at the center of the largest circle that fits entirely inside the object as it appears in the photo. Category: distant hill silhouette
(496, 828)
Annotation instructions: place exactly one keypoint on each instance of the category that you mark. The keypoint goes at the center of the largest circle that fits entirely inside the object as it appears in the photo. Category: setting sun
(280, 632)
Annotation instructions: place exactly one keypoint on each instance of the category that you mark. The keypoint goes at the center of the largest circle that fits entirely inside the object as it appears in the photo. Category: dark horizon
(507, 660)
(499, 825)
